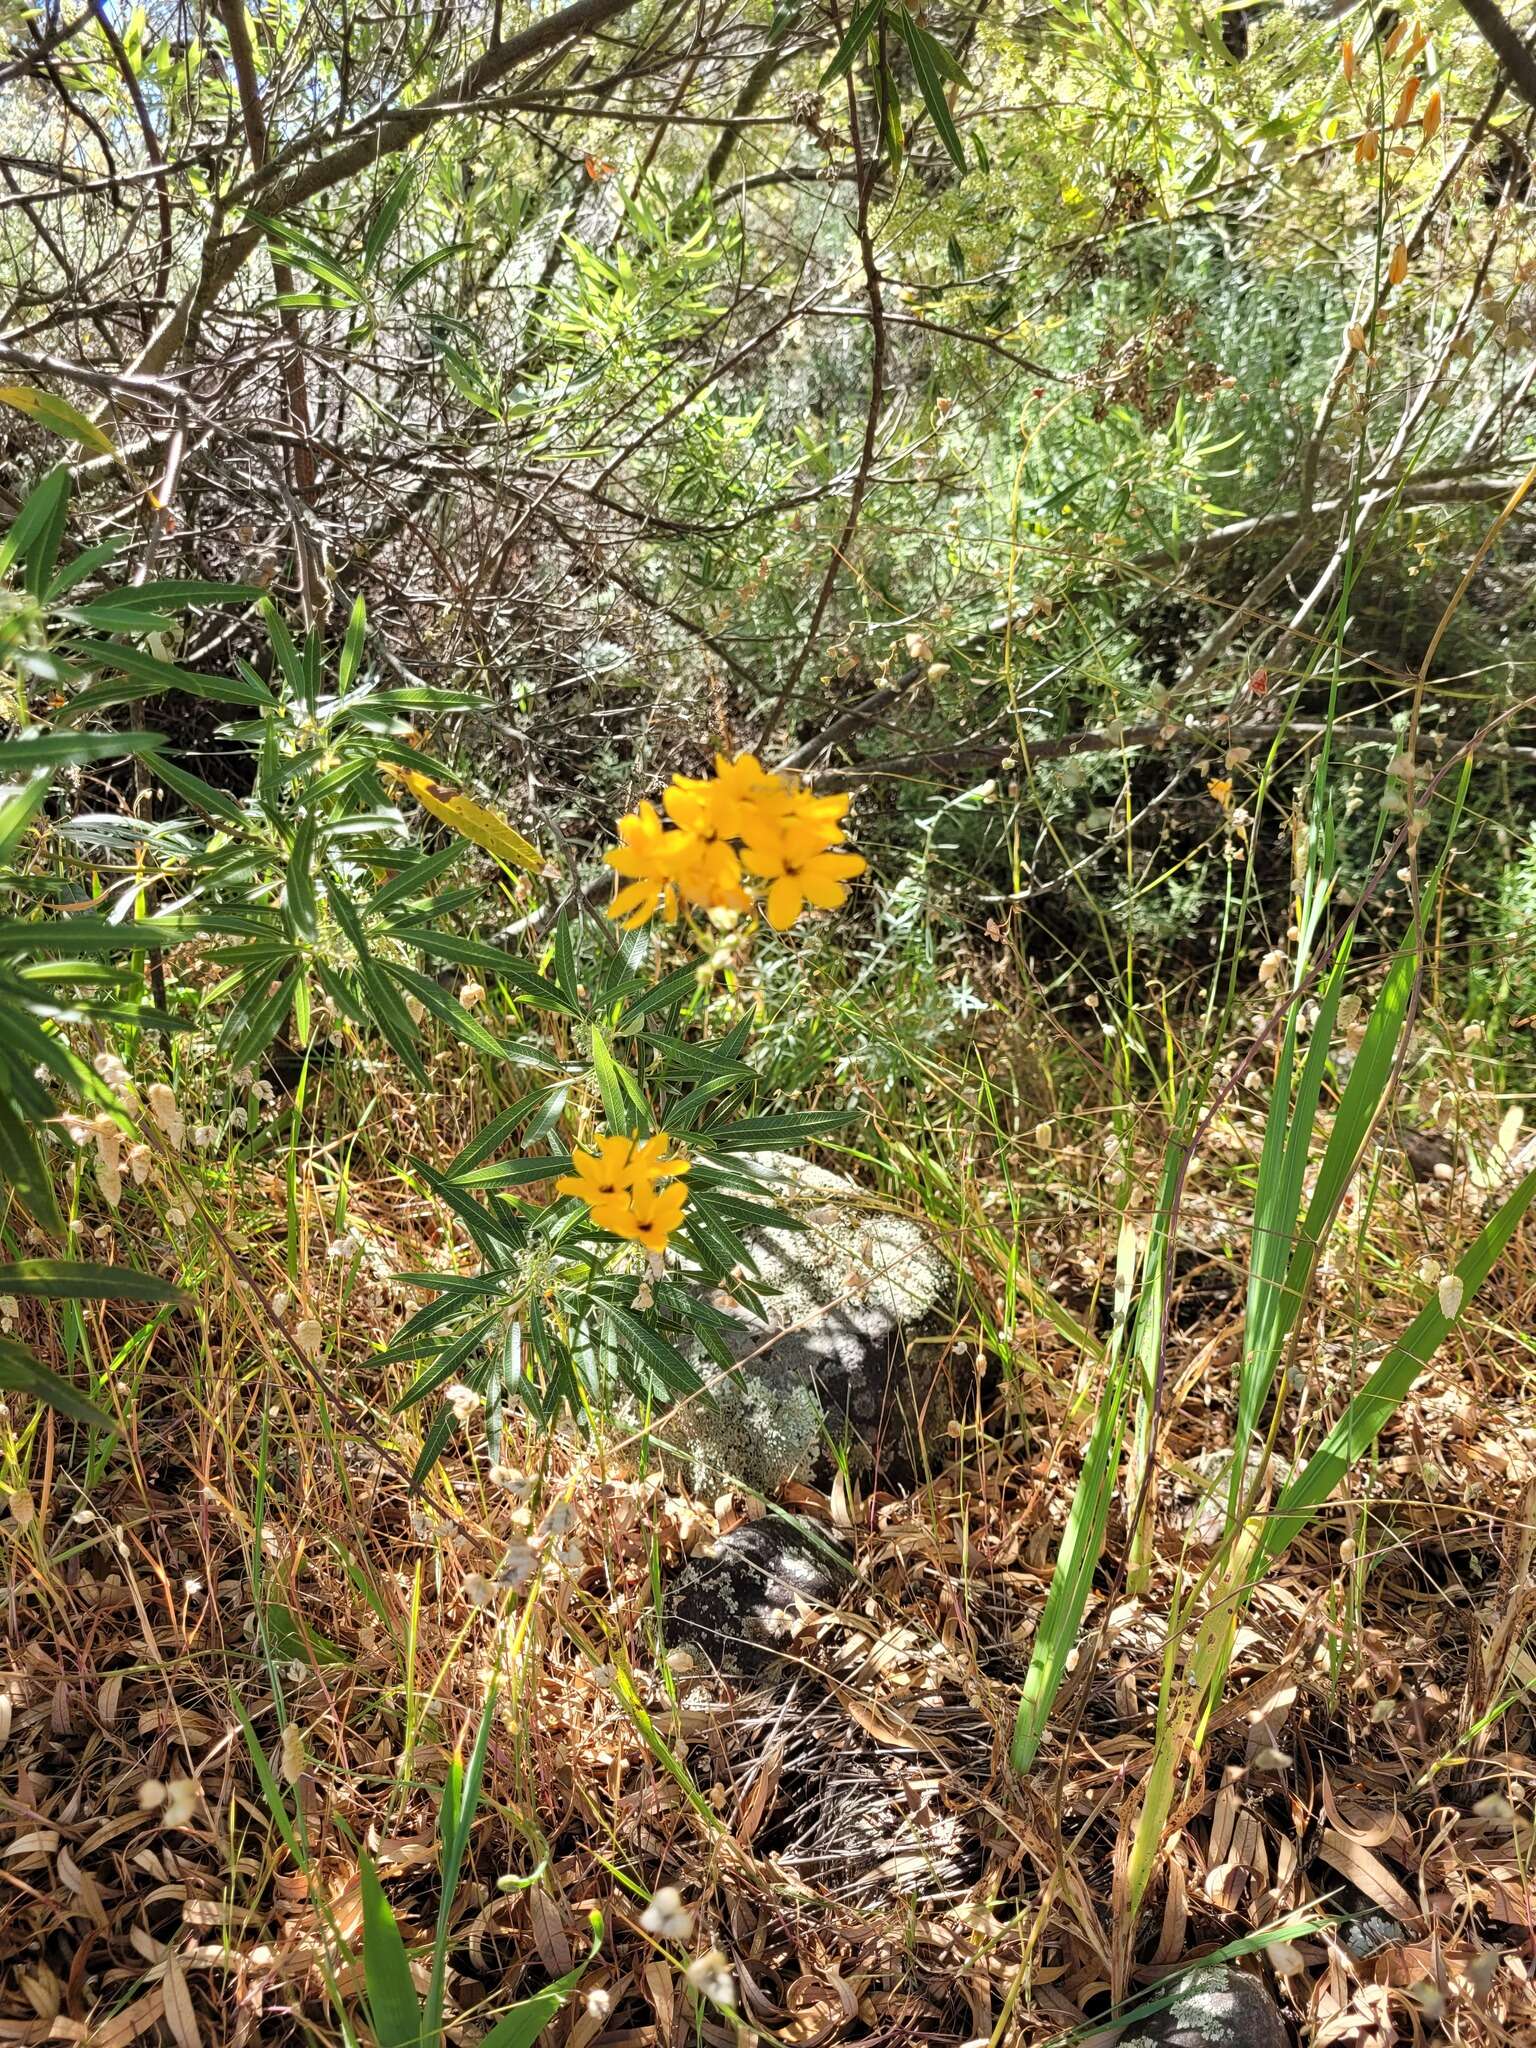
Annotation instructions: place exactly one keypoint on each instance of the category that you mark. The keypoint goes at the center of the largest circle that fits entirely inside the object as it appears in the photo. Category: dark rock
(737, 1601)
(1431, 1155)
(1367, 1933)
(1216, 2008)
(836, 1354)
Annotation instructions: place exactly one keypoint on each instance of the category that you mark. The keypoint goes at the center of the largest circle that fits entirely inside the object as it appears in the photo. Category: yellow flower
(620, 1165)
(598, 1176)
(785, 834)
(822, 815)
(650, 1162)
(618, 1184)
(650, 1218)
(708, 875)
(648, 857)
(727, 805)
(799, 869)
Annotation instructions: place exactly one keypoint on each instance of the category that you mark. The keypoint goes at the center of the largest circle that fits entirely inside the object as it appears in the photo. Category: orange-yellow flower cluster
(740, 826)
(618, 1183)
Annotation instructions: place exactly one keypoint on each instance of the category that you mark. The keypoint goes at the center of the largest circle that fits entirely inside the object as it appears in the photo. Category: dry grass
(845, 1829)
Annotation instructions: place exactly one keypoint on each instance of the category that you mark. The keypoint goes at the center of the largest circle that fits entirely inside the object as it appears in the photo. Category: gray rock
(1215, 2008)
(737, 1602)
(832, 1360)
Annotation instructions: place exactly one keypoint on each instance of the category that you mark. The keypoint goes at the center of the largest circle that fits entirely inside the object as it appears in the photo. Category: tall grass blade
(1388, 1386)
(392, 2004)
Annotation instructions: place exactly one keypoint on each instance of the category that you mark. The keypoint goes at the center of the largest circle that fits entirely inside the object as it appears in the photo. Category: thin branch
(1511, 48)
(877, 328)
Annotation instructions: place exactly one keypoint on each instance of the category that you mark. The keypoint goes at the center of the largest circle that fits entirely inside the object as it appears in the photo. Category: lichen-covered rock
(1215, 2008)
(838, 1357)
(738, 1603)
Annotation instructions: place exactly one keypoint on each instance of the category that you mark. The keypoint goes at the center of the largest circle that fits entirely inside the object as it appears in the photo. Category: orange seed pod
(1397, 269)
(1434, 112)
(1405, 102)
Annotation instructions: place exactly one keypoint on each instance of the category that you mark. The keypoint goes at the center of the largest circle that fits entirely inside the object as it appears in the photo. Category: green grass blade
(522, 2025)
(461, 1797)
(386, 1968)
(1388, 1386)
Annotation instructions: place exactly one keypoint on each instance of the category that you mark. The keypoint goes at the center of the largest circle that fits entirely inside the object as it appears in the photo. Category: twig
(876, 405)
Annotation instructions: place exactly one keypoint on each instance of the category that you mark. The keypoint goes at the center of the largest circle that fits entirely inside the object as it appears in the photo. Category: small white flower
(115, 1075)
(151, 1795)
(1451, 1292)
(478, 1590)
(181, 1797)
(1271, 967)
(203, 1136)
(599, 2003)
(712, 1977)
(509, 1480)
(557, 1520)
(471, 993)
(464, 1402)
(309, 1337)
(570, 1555)
(1472, 1034)
(666, 1915)
(517, 1567)
(1429, 1269)
(1045, 1136)
(163, 1108)
(280, 1303)
(416, 1009)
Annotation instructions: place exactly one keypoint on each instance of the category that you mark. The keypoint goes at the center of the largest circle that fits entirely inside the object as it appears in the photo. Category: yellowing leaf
(472, 821)
(57, 414)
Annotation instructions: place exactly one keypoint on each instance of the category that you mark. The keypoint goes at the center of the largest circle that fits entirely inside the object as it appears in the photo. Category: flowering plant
(739, 826)
(614, 1283)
